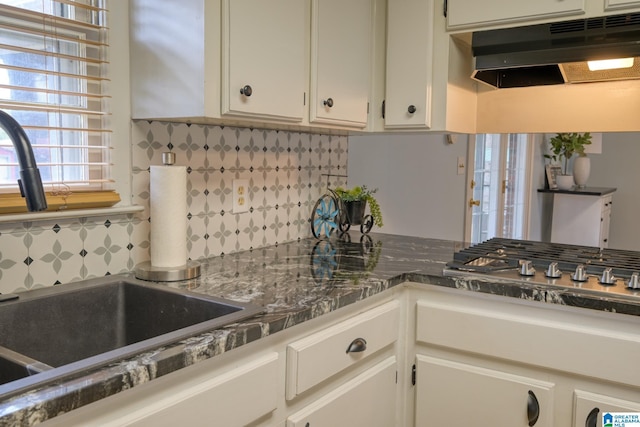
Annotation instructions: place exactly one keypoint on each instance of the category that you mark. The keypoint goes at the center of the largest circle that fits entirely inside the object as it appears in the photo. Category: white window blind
(53, 59)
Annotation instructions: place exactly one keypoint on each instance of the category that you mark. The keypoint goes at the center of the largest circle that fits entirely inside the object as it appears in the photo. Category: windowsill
(70, 213)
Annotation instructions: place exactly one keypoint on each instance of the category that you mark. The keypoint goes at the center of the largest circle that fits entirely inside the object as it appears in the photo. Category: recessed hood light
(610, 64)
(558, 52)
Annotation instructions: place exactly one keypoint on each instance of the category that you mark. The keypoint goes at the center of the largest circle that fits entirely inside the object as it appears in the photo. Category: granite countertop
(294, 282)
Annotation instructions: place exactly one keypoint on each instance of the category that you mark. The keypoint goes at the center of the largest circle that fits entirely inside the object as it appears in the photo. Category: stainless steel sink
(49, 333)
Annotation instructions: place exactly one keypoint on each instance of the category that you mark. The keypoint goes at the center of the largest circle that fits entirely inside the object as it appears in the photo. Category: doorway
(498, 186)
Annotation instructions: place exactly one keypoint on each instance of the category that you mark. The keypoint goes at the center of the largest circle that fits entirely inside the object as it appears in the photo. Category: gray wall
(619, 166)
(421, 195)
(419, 191)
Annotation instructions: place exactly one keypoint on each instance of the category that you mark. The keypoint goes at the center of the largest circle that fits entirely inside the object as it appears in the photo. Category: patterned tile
(13, 269)
(56, 257)
(285, 172)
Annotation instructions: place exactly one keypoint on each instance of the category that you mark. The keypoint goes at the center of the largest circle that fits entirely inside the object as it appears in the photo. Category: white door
(590, 408)
(456, 394)
(264, 58)
(340, 61)
(409, 64)
(499, 186)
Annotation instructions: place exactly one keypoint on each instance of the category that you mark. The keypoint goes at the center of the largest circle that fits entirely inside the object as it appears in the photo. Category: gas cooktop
(590, 269)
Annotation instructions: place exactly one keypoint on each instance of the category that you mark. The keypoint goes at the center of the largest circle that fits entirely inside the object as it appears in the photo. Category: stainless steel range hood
(556, 53)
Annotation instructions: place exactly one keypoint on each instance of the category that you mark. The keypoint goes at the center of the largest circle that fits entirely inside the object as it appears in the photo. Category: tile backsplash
(286, 174)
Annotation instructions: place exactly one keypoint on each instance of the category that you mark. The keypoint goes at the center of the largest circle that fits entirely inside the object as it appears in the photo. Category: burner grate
(623, 262)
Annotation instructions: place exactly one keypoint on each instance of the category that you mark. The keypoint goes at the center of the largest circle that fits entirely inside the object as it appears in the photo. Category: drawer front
(317, 357)
(236, 398)
(369, 400)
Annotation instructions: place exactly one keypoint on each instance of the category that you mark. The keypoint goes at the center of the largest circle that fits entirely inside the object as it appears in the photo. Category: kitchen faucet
(30, 182)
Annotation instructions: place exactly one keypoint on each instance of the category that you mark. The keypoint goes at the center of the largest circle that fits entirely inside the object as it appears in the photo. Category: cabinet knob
(411, 109)
(533, 409)
(357, 346)
(328, 102)
(246, 91)
(592, 418)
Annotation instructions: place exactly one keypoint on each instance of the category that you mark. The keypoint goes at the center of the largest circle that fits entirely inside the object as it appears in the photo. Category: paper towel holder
(146, 271)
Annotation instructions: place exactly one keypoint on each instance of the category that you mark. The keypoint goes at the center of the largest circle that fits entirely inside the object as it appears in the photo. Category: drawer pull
(533, 409)
(357, 346)
(592, 418)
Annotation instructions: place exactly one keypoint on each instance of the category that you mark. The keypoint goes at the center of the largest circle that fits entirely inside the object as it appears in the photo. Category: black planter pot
(355, 211)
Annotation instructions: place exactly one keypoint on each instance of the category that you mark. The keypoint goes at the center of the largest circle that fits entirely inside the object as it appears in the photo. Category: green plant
(362, 193)
(565, 145)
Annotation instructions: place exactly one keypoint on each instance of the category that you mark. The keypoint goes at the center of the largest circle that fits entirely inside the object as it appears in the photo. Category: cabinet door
(409, 64)
(589, 408)
(369, 400)
(340, 61)
(577, 219)
(621, 4)
(605, 221)
(469, 13)
(263, 58)
(451, 393)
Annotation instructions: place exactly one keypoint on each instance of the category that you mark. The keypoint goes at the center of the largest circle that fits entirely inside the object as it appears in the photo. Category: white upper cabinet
(263, 58)
(409, 64)
(341, 34)
(474, 13)
(621, 4)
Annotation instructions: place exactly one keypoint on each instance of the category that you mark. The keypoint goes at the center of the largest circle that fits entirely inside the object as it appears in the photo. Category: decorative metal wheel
(367, 244)
(324, 262)
(325, 216)
(367, 224)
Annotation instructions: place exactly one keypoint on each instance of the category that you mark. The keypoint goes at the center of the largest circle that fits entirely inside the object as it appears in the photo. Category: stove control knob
(526, 268)
(634, 282)
(580, 274)
(607, 277)
(552, 271)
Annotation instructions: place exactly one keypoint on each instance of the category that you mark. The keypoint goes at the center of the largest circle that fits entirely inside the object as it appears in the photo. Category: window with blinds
(53, 60)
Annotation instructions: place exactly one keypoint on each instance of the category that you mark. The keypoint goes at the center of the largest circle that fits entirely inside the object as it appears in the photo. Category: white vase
(565, 182)
(581, 170)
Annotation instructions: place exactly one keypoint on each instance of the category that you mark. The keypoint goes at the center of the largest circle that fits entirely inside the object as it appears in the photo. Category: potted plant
(355, 200)
(563, 147)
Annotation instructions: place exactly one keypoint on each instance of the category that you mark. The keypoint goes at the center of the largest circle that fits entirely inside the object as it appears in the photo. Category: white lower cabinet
(369, 400)
(338, 369)
(581, 219)
(480, 358)
(200, 395)
(477, 359)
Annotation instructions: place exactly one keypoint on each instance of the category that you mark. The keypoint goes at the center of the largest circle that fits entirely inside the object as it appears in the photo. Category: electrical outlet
(240, 195)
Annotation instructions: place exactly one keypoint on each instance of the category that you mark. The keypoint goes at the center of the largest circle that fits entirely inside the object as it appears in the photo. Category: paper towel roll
(168, 211)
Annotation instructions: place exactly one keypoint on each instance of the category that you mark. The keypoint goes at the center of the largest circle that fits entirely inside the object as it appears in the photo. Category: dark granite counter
(586, 191)
(295, 282)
